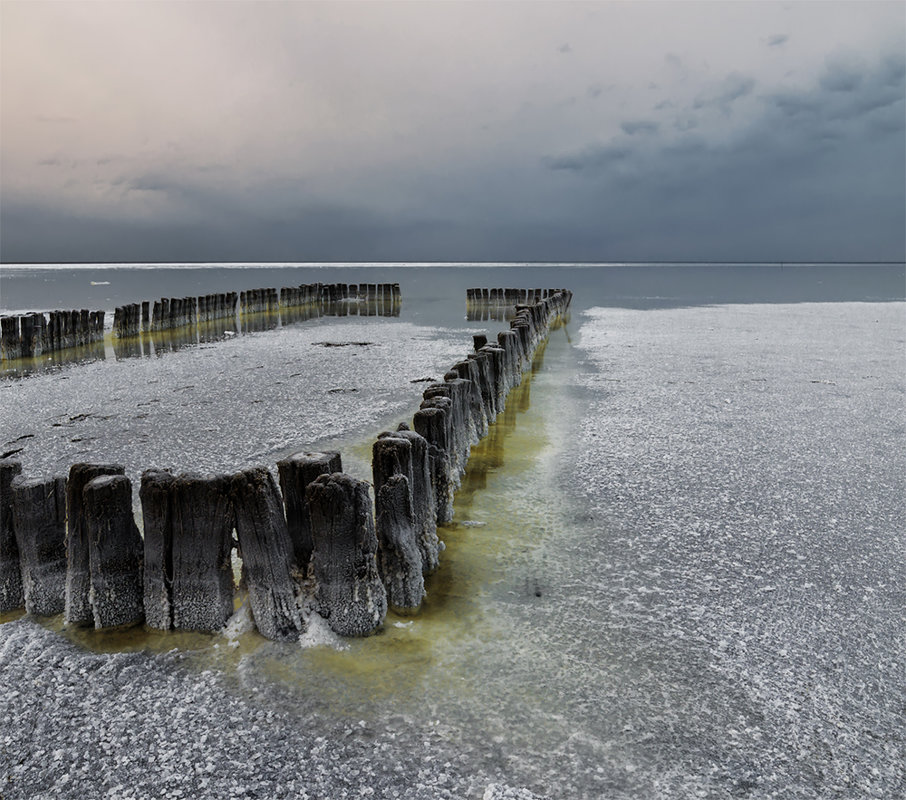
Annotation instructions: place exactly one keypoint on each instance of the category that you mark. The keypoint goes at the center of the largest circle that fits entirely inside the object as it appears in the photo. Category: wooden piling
(350, 594)
(296, 472)
(202, 540)
(11, 595)
(267, 553)
(78, 609)
(39, 513)
(115, 552)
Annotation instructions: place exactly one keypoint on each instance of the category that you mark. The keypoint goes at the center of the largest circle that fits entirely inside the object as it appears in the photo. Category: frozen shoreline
(680, 572)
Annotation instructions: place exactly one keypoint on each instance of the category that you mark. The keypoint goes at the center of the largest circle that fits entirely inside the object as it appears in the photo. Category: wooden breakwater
(317, 541)
(326, 299)
(139, 329)
(501, 304)
(38, 333)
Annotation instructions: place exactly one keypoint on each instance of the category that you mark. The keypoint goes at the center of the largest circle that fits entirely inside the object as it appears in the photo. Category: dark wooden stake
(11, 595)
(39, 511)
(349, 593)
(115, 552)
(266, 552)
(296, 472)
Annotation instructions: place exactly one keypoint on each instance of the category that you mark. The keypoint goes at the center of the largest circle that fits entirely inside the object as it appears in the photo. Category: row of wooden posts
(70, 544)
(177, 312)
(32, 335)
(508, 297)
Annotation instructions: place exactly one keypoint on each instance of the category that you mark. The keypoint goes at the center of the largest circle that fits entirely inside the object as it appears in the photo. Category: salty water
(676, 566)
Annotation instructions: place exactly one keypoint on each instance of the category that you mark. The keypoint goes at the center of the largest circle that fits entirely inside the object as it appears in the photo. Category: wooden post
(115, 552)
(350, 594)
(202, 540)
(296, 472)
(414, 462)
(267, 553)
(11, 595)
(39, 512)
(399, 558)
(431, 423)
(155, 494)
(78, 573)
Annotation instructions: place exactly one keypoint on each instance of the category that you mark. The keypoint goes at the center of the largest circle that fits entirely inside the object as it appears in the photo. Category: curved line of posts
(319, 543)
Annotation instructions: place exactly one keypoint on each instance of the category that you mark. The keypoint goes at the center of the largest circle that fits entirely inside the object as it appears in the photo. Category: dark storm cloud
(725, 93)
(813, 164)
(639, 126)
(777, 40)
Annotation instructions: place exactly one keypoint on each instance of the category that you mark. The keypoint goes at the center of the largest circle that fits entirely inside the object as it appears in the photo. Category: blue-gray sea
(677, 566)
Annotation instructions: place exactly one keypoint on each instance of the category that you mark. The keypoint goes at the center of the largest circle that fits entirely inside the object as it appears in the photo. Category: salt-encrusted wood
(11, 596)
(78, 574)
(155, 494)
(296, 472)
(349, 591)
(399, 558)
(39, 513)
(266, 552)
(431, 423)
(115, 552)
(202, 541)
(424, 505)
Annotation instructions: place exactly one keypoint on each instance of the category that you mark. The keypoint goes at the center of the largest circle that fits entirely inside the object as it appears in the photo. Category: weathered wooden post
(349, 594)
(399, 559)
(39, 512)
(296, 473)
(9, 337)
(157, 521)
(405, 452)
(115, 552)
(11, 596)
(78, 573)
(202, 540)
(266, 552)
(431, 423)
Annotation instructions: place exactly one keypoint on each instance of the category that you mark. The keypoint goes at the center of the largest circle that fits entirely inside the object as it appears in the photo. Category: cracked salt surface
(672, 596)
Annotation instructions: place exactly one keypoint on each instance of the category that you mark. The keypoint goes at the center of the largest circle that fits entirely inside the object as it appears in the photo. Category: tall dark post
(11, 596)
(115, 552)
(78, 575)
(350, 594)
(39, 512)
(267, 553)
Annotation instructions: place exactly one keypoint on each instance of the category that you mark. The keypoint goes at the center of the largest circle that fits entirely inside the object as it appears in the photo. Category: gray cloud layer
(454, 132)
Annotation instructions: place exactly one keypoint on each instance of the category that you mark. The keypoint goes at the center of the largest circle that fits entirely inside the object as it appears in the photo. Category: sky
(452, 131)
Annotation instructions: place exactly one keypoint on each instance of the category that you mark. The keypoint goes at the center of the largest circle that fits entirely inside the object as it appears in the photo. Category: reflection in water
(204, 327)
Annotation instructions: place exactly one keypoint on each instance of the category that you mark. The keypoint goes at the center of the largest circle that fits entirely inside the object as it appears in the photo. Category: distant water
(676, 566)
(437, 293)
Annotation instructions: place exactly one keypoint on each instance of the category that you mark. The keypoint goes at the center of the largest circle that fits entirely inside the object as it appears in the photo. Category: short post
(296, 473)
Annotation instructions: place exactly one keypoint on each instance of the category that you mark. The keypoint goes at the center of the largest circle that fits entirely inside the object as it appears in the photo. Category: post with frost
(350, 594)
(11, 597)
(39, 512)
(115, 552)
(266, 552)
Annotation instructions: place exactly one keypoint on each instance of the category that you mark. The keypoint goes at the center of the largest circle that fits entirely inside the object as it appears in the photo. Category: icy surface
(741, 607)
(678, 571)
(223, 406)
